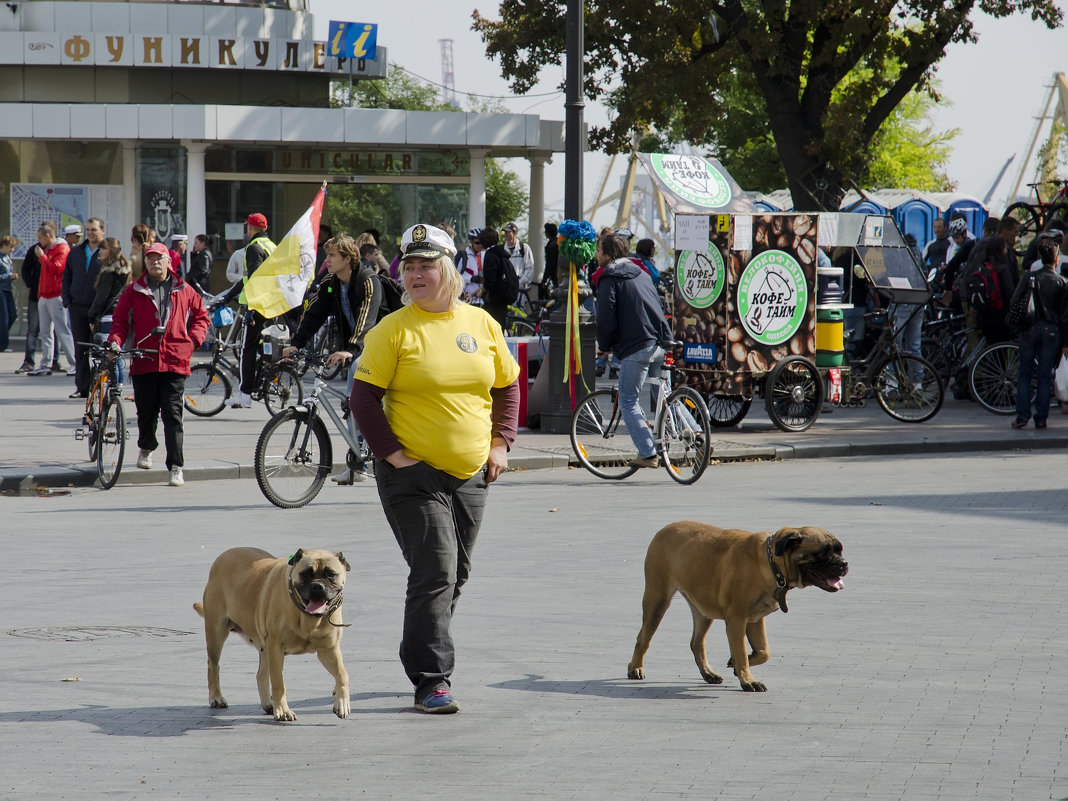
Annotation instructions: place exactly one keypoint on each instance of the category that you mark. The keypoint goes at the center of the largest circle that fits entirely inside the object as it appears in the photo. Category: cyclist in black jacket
(1046, 338)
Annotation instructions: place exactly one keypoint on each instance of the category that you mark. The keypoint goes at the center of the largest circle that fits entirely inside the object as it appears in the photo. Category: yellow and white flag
(279, 284)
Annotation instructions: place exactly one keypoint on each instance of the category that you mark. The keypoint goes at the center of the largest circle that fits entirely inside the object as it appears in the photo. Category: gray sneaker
(144, 459)
(348, 477)
(177, 479)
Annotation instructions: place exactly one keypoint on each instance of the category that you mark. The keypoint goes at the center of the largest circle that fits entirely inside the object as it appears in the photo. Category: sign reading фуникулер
(772, 297)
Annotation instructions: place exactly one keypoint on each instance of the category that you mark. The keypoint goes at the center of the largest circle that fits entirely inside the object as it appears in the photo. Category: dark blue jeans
(1041, 342)
(8, 315)
(435, 518)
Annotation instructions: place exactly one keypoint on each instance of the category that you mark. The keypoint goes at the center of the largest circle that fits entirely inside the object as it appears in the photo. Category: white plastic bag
(1060, 380)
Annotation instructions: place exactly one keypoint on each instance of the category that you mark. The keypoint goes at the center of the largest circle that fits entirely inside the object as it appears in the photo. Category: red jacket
(52, 264)
(136, 314)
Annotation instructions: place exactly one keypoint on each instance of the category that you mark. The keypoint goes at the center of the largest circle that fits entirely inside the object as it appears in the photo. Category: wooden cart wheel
(793, 394)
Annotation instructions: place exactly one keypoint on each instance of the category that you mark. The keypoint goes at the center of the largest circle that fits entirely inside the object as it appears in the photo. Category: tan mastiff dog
(281, 606)
(735, 576)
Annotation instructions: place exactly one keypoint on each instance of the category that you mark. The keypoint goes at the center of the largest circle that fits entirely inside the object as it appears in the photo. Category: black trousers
(254, 322)
(79, 329)
(160, 395)
(435, 518)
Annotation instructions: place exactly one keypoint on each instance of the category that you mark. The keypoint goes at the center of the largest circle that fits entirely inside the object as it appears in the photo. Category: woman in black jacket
(1047, 336)
(110, 282)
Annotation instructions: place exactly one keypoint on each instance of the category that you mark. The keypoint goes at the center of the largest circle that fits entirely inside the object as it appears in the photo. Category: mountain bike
(682, 431)
(209, 385)
(294, 454)
(1034, 216)
(104, 420)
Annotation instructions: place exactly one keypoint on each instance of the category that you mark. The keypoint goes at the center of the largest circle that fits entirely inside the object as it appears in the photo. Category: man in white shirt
(521, 256)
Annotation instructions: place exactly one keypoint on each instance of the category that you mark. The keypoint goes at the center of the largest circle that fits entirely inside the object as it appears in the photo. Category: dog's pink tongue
(315, 607)
(838, 585)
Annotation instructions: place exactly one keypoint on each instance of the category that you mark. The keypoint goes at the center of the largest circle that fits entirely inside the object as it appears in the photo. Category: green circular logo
(692, 178)
(701, 277)
(772, 297)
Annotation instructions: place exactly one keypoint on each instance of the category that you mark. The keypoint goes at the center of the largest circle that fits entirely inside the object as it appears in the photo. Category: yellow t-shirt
(437, 370)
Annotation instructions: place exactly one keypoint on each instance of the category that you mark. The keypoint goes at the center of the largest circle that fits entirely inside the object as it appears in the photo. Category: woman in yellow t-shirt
(436, 398)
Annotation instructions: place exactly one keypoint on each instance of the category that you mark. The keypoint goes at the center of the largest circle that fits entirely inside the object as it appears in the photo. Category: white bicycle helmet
(957, 226)
(473, 233)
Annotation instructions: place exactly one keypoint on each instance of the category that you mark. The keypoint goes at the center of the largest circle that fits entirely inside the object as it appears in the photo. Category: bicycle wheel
(993, 377)
(685, 435)
(599, 436)
(292, 460)
(111, 439)
(1030, 225)
(725, 411)
(281, 388)
(908, 388)
(327, 341)
(519, 328)
(793, 394)
(92, 415)
(206, 390)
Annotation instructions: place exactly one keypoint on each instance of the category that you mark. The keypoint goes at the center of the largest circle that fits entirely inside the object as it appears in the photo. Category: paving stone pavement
(938, 673)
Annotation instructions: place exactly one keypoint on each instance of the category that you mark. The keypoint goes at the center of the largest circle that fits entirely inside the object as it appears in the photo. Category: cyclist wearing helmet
(469, 263)
(962, 243)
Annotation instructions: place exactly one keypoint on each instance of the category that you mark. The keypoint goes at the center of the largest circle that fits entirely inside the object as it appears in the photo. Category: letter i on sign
(359, 47)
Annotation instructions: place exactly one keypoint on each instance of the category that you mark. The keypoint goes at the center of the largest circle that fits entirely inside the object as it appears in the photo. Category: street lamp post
(556, 416)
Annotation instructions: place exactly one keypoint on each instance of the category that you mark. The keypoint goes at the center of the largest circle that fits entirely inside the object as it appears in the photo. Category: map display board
(63, 204)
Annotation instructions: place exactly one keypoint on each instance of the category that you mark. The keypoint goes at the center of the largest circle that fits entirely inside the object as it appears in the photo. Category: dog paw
(285, 714)
(635, 673)
(754, 687)
(342, 708)
(711, 678)
(218, 703)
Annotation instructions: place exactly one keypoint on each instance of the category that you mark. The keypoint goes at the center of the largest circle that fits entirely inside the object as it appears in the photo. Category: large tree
(829, 72)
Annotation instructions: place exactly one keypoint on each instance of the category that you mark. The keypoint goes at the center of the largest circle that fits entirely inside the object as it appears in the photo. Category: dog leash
(780, 579)
(335, 603)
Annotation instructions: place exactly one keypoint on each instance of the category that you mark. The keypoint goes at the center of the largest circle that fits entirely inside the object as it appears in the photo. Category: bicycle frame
(312, 402)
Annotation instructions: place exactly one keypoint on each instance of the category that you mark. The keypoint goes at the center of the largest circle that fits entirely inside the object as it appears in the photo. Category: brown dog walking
(281, 606)
(735, 576)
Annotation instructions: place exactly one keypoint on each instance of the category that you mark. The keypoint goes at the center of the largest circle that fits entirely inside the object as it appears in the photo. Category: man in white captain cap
(179, 244)
(72, 234)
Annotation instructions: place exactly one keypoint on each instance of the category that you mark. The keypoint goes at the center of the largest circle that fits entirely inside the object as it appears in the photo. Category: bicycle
(906, 386)
(1034, 216)
(682, 432)
(209, 387)
(945, 345)
(105, 418)
(294, 454)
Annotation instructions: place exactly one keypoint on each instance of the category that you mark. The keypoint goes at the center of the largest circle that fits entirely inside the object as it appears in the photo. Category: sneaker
(439, 702)
(344, 478)
(645, 461)
(177, 479)
(242, 400)
(27, 367)
(1018, 423)
(144, 459)
(73, 370)
(1040, 424)
(77, 394)
(40, 371)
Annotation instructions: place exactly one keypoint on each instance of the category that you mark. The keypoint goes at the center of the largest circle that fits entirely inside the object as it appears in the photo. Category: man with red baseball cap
(161, 312)
(257, 250)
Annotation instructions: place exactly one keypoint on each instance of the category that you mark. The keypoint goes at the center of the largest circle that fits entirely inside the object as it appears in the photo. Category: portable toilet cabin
(972, 208)
(916, 216)
(854, 203)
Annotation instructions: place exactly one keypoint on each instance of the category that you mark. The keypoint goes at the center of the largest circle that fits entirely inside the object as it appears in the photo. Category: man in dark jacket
(495, 268)
(1047, 336)
(352, 293)
(631, 324)
(200, 263)
(79, 291)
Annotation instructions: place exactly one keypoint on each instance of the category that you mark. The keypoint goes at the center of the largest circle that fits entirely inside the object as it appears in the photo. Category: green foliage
(506, 196)
(907, 153)
(1053, 155)
(829, 73)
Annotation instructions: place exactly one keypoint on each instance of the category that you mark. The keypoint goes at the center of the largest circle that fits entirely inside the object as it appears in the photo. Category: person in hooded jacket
(493, 267)
(631, 324)
(160, 311)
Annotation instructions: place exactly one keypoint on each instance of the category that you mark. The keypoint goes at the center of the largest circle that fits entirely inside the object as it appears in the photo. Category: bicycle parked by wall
(104, 421)
(1033, 217)
(294, 454)
(209, 385)
(682, 431)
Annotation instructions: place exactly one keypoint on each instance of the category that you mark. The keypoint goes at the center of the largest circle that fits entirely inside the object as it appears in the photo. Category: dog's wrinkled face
(318, 578)
(816, 555)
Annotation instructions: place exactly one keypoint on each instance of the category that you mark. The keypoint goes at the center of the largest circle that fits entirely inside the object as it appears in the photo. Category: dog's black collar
(780, 579)
(336, 602)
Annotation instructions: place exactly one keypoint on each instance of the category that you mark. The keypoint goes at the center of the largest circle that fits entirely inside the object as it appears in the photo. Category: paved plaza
(938, 673)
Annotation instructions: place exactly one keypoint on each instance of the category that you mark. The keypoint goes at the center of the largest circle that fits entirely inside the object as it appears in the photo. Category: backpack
(392, 292)
(982, 291)
(506, 289)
